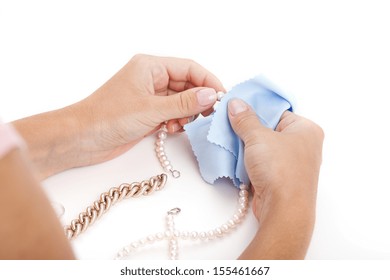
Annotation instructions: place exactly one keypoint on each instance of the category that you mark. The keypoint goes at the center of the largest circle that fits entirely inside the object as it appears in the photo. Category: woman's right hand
(283, 167)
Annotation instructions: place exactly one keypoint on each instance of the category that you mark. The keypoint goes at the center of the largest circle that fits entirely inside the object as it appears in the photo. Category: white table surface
(333, 56)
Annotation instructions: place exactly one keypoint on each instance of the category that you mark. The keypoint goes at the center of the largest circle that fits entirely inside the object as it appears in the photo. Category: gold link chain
(108, 199)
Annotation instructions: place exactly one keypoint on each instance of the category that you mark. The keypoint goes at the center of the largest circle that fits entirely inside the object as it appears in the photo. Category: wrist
(52, 140)
(285, 231)
(286, 202)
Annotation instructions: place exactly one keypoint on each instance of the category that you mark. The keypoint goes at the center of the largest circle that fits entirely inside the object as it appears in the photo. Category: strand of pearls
(172, 235)
(162, 134)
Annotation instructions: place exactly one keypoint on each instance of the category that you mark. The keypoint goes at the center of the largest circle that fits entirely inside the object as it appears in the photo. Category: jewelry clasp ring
(175, 173)
(174, 211)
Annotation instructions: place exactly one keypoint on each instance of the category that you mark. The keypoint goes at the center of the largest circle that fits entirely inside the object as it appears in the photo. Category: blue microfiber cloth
(219, 151)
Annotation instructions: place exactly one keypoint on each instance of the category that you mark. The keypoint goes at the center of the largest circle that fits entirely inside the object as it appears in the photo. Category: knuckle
(315, 129)
(185, 104)
(140, 59)
(138, 56)
(190, 61)
(319, 131)
(246, 120)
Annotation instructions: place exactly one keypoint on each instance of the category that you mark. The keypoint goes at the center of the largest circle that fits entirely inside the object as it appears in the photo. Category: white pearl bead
(162, 159)
(130, 248)
(160, 143)
(143, 241)
(170, 227)
(236, 219)
(160, 154)
(176, 234)
(231, 223)
(243, 206)
(202, 235)
(244, 187)
(166, 163)
(159, 236)
(243, 193)
(240, 214)
(211, 234)
(159, 149)
(220, 94)
(151, 238)
(135, 245)
(168, 168)
(168, 234)
(184, 234)
(120, 254)
(162, 135)
(225, 228)
(219, 232)
(194, 235)
(243, 199)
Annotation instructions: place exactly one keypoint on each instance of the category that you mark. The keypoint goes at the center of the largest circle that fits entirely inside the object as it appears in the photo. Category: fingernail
(237, 106)
(206, 96)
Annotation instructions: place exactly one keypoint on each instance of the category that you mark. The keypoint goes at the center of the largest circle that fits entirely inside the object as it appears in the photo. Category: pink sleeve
(9, 139)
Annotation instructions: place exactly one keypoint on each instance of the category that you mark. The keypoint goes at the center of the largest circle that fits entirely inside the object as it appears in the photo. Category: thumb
(244, 121)
(186, 103)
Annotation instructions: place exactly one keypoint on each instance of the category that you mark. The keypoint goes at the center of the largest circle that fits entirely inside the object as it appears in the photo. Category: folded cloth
(219, 151)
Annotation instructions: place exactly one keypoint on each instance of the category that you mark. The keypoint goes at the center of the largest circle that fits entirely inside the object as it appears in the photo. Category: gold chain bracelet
(107, 199)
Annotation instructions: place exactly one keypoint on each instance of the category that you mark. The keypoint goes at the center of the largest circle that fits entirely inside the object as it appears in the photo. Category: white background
(332, 55)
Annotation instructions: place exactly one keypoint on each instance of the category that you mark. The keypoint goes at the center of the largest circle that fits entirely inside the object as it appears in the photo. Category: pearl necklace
(171, 234)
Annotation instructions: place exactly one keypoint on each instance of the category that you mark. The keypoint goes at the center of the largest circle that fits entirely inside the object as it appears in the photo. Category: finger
(286, 120)
(184, 121)
(184, 104)
(185, 73)
(173, 126)
(207, 112)
(290, 122)
(178, 86)
(244, 121)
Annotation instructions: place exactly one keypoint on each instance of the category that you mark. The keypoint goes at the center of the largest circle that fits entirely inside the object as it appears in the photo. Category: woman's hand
(283, 167)
(146, 92)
